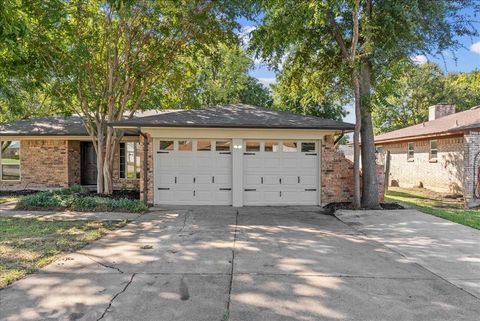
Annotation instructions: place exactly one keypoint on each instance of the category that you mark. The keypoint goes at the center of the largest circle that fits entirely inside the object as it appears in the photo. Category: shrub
(71, 198)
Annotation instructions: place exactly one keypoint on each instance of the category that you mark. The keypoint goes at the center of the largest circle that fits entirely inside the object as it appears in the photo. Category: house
(227, 155)
(441, 154)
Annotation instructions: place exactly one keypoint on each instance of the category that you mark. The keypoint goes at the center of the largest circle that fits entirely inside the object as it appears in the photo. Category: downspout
(145, 166)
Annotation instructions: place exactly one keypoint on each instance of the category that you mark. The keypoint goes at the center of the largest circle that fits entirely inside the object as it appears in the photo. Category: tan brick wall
(43, 164)
(444, 175)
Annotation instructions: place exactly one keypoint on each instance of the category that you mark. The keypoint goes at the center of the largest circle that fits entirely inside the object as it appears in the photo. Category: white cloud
(475, 47)
(245, 34)
(419, 59)
(266, 81)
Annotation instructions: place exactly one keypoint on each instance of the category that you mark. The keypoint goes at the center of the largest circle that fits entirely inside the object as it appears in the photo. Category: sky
(464, 59)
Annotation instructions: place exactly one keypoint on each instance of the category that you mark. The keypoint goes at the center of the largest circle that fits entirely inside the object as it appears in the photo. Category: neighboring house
(441, 154)
(231, 155)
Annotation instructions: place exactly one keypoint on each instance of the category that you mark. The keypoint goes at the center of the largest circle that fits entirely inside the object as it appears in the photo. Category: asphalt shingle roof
(455, 123)
(234, 116)
(48, 126)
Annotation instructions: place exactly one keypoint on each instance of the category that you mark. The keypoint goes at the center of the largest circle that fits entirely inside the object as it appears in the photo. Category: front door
(89, 164)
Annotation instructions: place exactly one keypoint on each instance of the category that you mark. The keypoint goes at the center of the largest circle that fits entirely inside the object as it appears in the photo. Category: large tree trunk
(369, 165)
(100, 149)
(356, 144)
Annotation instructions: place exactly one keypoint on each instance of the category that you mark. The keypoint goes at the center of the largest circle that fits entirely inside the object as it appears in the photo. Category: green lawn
(10, 161)
(27, 244)
(430, 203)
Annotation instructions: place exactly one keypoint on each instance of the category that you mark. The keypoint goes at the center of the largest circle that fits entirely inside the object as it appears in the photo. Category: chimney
(439, 111)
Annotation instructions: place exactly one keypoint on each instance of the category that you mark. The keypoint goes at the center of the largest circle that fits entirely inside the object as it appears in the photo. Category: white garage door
(280, 172)
(193, 171)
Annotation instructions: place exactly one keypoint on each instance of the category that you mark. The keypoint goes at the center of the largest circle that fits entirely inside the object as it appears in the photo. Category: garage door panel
(200, 176)
(283, 177)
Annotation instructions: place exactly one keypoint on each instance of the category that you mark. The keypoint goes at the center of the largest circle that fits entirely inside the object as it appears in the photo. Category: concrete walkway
(447, 249)
(220, 263)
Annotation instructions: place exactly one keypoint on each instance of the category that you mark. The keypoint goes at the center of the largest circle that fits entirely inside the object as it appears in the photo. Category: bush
(71, 198)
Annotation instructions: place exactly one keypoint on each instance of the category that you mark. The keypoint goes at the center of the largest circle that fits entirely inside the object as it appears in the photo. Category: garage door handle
(250, 189)
(225, 189)
(311, 154)
(194, 180)
(225, 153)
(213, 179)
(175, 179)
(298, 179)
(248, 153)
(162, 152)
(163, 189)
(280, 180)
(262, 180)
(310, 189)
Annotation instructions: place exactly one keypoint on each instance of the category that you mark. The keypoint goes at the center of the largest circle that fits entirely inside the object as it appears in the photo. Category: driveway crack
(103, 264)
(115, 296)
(226, 314)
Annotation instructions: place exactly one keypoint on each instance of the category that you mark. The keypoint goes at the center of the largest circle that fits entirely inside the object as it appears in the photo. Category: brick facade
(337, 175)
(56, 163)
(443, 175)
(471, 170)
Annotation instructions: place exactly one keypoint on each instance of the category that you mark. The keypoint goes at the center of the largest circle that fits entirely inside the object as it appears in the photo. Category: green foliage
(403, 96)
(74, 199)
(256, 94)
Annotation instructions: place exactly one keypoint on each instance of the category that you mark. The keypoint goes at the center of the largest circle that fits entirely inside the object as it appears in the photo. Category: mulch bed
(332, 207)
(117, 194)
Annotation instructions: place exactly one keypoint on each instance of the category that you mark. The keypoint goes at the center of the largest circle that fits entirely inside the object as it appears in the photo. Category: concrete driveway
(220, 263)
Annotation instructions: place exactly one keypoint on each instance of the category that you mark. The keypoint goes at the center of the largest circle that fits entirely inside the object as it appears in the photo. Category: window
(166, 145)
(222, 146)
(129, 160)
(289, 147)
(308, 147)
(411, 152)
(251, 146)
(10, 160)
(272, 147)
(204, 145)
(185, 145)
(433, 150)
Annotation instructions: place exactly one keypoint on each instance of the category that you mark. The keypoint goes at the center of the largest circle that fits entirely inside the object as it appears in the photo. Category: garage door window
(166, 145)
(289, 147)
(272, 147)
(185, 145)
(204, 145)
(308, 147)
(252, 146)
(222, 146)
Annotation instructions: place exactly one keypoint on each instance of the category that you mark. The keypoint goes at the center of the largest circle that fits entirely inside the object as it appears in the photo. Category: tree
(105, 56)
(348, 44)
(402, 98)
(256, 94)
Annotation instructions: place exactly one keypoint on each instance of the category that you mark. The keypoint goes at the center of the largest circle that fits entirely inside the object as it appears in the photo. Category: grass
(27, 244)
(4, 199)
(75, 199)
(432, 203)
(10, 161)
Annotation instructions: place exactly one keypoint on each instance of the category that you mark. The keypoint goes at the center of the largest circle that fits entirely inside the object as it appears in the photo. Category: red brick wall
(337, 175)
(43, 164)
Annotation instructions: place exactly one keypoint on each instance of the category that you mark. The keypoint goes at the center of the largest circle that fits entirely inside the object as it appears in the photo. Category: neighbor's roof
(234, 116)
(452, 124)
(55, 126)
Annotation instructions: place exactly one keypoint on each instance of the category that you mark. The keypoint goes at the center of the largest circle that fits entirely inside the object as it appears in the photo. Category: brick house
(229, 155)
(441, 154)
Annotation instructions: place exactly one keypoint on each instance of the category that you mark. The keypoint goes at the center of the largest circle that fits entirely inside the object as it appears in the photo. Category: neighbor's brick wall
(444, 175)
(43, 164)
(150, 177)
(472, 167)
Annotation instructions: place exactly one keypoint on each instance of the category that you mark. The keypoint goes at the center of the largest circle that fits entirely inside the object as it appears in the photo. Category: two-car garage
(234, 155)
(191, 171)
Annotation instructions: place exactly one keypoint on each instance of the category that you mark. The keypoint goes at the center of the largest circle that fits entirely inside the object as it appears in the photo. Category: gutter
(145, 166)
